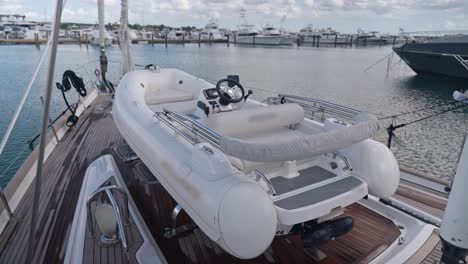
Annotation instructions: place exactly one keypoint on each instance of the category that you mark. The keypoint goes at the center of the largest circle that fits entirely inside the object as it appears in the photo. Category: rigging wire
(13, 162)
(391, 129)
(417, 110)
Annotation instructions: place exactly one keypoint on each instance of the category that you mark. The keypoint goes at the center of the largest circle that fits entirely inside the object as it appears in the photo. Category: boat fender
(247, 220)
(372, 161)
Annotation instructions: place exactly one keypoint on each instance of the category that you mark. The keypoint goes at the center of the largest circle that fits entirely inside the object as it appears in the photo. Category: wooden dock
(96, 134)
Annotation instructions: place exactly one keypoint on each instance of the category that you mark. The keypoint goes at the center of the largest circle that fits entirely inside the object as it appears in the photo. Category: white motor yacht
(369, 37)
(94, 37)
(246, 34)
(331, 36)
(308, 34)
(211, 31)
(285, 38)
(177, 34)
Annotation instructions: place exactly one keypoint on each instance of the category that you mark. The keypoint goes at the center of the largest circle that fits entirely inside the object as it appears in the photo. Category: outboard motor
(454, 228)
(314, 234)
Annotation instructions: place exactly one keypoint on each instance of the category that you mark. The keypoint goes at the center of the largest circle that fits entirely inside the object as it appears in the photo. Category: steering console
(233, 93)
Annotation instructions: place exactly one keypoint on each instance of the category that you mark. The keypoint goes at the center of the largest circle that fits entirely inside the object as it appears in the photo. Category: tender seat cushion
(254, 121)
(271, 136)
(268, 124)
(162, 96)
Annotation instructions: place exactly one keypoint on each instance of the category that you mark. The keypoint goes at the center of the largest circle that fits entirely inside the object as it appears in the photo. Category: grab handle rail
(200, 130)
(197, 128)
(316, 108)
(261, 175)
(108, 191)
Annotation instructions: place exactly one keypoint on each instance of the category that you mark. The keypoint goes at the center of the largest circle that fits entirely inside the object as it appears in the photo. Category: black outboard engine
(454, 228)
(314, 234)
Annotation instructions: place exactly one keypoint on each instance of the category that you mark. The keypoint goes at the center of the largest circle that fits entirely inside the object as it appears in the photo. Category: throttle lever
(248, 94)
(203, 107)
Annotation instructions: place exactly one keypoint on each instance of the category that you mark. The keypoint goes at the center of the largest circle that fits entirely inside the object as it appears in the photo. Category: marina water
(334, 74)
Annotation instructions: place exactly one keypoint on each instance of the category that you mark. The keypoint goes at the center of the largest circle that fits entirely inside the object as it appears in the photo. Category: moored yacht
(447, 55)
(177, 34)
(369, 37)
(211, 31)
(271, 31)
(247, 34)
(308, 34)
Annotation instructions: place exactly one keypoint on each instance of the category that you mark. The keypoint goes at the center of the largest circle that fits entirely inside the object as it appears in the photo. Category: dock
(85, 41)
(96, 135)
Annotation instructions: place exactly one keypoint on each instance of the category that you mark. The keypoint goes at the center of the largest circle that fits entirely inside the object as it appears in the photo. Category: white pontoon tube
(307, 146)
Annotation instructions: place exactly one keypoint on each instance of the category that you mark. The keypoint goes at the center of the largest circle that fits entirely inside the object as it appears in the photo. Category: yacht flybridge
(170, 168)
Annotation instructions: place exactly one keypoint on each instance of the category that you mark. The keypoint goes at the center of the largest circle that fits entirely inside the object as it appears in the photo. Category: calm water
(335, 74)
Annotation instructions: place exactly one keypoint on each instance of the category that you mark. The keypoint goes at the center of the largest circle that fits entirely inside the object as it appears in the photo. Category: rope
(70, 78)
(427, 117)
(368, 68)
(418, 110)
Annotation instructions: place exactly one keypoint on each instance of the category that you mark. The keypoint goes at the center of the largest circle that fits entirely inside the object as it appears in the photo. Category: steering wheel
(234, 94)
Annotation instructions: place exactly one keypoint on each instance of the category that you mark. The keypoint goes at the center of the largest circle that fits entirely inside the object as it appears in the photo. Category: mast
(102, 44)
(125, 41)
(44, 123)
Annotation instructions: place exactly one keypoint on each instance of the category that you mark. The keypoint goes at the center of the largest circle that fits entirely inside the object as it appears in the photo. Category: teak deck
(96, 135)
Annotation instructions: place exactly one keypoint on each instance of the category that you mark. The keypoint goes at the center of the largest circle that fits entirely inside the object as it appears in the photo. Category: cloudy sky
(343, 15)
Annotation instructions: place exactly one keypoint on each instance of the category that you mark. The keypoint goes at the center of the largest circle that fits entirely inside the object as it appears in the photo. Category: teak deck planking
(95, 135)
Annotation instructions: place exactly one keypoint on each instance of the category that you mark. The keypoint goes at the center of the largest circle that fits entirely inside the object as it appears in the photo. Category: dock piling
(199, 38)
(36, 39)
(336, 39)
(228, 40)
(253, 40)
(165, 40)
(152, 39)
(394, 40)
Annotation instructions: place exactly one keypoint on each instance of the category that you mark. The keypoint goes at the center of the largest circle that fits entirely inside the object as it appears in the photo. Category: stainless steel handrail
(345, 159)
(108, 190)
(316, 108)
(198, 129)
(261, 175)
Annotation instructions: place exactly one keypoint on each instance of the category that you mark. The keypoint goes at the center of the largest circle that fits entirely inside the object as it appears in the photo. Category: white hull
(95, 41)
(322, 40)
(285, 40)
(259, 40)
(214, 36)
(371, 40)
